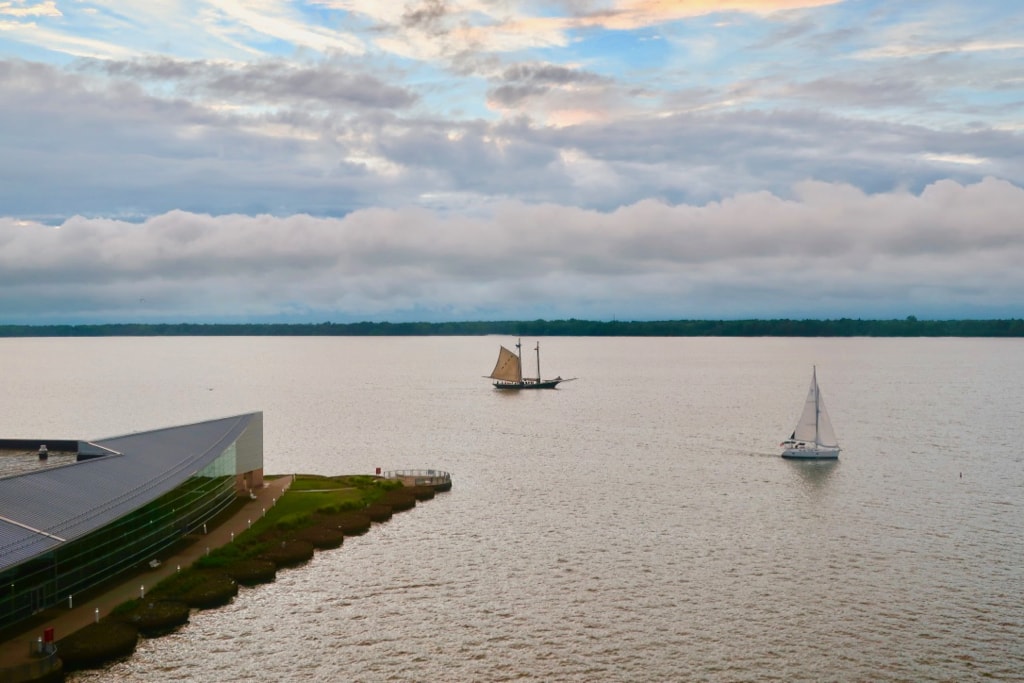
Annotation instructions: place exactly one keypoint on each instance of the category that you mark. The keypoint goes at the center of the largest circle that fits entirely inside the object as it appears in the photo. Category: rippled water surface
(634, 525)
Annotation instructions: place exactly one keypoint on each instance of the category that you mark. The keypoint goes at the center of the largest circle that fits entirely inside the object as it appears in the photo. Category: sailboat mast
(538, 361)
(519, 353)
(817, 404)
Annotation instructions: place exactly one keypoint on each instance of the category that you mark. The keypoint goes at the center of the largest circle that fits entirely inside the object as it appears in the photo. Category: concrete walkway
(16, 650)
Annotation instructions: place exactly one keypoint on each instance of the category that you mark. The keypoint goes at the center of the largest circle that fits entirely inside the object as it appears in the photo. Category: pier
(438, 479)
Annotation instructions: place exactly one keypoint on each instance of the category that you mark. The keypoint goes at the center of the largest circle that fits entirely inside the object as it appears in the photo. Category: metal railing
(403, 474)
(438, 479)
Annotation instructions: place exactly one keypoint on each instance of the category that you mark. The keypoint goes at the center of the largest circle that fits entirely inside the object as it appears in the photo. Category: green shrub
(422, 492)
(322, 537)
(399, 500)
(97, 644)
(289, 553)
(154, 618)
(349, 523)
(252, 571)
(378, 512)
(200, 588)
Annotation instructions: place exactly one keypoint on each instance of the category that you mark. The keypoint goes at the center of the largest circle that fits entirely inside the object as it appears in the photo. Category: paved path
(15, 651)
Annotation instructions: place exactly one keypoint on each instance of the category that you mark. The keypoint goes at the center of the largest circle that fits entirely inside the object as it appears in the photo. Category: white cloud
(951, 246)
(48, 8)
(276, 20)
(904, 50)
(68, 43)
(966, 159)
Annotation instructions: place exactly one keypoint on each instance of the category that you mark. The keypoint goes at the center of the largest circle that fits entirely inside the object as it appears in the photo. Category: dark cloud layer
(265, 81)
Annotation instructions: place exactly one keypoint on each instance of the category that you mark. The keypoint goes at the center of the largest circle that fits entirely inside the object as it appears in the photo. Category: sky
(438, 160)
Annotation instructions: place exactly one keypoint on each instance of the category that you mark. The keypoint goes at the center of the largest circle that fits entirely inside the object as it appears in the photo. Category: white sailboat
(508, 372)
(813, 438)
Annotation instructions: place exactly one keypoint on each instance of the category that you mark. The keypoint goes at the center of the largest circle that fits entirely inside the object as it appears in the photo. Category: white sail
(508, 368)
(826, 435)
(814, 425)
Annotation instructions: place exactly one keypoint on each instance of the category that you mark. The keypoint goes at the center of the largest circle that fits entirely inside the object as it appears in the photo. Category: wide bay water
(636, 524)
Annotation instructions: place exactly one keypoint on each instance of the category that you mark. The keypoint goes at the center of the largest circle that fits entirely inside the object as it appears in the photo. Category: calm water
(634, 525)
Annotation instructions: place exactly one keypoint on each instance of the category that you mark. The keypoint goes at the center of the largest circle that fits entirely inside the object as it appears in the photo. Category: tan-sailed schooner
(508, 371)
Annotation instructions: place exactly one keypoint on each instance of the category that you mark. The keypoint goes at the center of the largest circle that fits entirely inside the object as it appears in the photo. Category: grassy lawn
(296, 510)
(309, 494)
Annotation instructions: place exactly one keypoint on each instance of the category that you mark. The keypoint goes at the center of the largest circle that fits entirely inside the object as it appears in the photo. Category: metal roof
(40, 510)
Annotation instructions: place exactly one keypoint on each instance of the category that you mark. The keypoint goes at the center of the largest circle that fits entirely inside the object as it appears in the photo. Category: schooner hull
(546, 384)
(508, 372)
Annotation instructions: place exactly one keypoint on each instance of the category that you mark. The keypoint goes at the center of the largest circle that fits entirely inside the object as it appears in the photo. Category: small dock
(439, 480)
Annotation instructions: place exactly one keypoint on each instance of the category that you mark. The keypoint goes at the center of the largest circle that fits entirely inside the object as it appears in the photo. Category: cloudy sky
(348, 160)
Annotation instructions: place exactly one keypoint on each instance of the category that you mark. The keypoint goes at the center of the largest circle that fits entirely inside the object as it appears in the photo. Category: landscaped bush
(399, 500)
(225, 555)
(322, 537)
(346, 506)
(154, 618)
(97, 644)
(378, 512)
(349, 523)
(217, 589)
(289, 553)
(422, 492)
(251, 572)
(200, 588)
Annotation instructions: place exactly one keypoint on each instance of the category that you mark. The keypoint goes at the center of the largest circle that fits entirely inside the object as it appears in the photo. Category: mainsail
(814, 425)
(508, 368)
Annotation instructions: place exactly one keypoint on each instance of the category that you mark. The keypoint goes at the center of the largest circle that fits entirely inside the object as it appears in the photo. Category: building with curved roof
(67, 528)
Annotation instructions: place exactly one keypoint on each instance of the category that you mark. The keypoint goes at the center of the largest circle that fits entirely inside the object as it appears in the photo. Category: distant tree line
(843, 327)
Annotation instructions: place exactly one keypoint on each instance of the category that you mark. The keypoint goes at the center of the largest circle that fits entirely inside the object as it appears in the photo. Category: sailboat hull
(546, 384)
(813, 430)
(811, 453)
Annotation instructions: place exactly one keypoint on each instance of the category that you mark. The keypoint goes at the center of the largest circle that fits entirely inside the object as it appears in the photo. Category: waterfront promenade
(16, 649)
